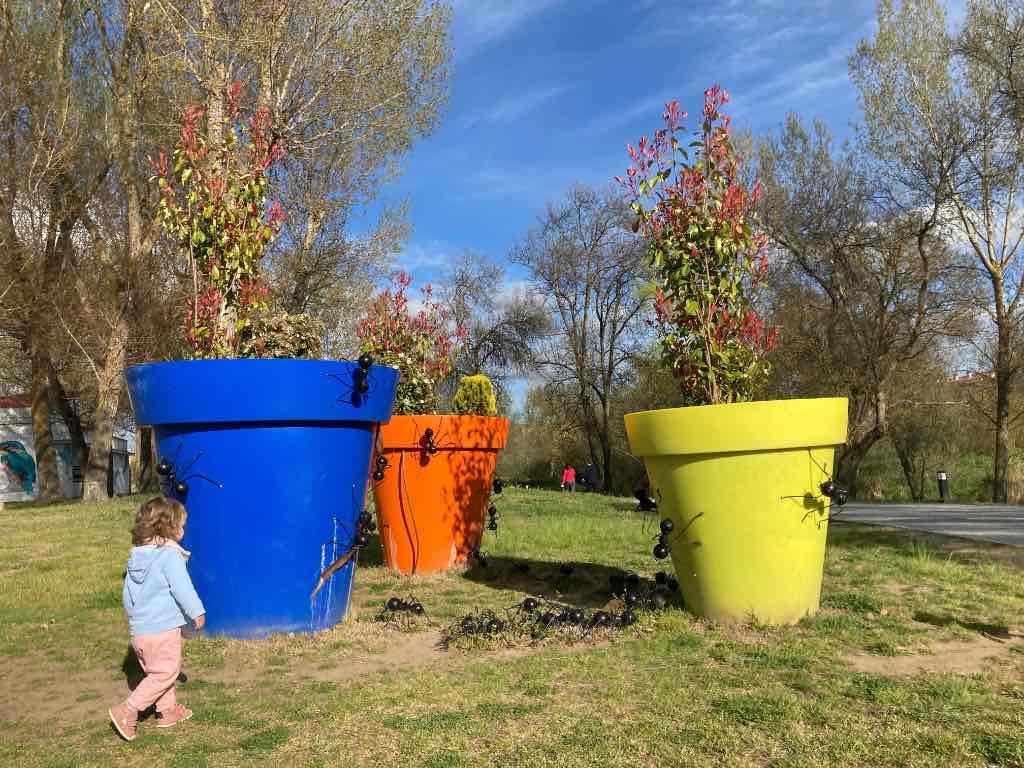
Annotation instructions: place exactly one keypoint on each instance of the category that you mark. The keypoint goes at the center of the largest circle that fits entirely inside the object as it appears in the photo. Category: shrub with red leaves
(700, 220)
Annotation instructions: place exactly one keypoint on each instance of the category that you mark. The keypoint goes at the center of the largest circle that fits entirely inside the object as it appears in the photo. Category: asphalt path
(988, 522)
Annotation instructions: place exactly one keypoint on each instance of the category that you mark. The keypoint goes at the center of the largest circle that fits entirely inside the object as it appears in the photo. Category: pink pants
(160, 658)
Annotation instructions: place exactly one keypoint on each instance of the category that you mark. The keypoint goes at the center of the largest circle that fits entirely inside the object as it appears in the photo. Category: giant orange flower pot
(432, 499)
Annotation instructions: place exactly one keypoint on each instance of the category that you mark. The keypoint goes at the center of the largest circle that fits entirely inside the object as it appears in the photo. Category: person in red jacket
(569, 479)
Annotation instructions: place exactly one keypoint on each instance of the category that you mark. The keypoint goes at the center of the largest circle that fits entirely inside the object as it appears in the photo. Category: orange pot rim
(451, 432)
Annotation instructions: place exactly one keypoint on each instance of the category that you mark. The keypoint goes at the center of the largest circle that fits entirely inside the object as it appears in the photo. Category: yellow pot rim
(765, 425)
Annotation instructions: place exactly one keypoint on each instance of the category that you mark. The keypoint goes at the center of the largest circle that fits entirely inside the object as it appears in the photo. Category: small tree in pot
(237, 436)
(475, 397)
(433, 472)
(746, 484)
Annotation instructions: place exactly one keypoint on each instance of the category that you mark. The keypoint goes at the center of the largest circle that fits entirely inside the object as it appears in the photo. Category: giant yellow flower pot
(742, 486)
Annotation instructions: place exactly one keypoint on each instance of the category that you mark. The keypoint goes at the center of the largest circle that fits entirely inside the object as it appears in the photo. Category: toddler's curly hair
(160, 516)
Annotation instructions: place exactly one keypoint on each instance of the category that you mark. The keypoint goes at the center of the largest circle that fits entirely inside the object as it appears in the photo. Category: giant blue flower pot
(271, 459)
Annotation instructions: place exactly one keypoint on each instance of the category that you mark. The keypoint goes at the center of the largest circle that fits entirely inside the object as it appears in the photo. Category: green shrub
(283, 335)
(475, 397)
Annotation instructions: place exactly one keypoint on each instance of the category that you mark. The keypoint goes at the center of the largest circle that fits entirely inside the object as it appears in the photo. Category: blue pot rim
(245, 391)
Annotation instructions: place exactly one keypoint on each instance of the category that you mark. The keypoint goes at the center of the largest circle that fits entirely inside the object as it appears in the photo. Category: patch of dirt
(896, 588)
(35, 690)
(40, 694)
(958, 657)
(412, 650)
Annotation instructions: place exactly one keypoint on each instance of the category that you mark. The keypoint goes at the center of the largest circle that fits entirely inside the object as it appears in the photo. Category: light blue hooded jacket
(158, 593)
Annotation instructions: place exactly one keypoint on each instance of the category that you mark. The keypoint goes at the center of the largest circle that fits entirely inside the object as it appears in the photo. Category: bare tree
(55, 165)
(589, 267)
(871, 286)
(940, 127)
(501, 327)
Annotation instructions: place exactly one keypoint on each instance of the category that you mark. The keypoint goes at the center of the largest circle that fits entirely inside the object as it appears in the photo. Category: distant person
(590, 477)
(569, 479)
(159, 599)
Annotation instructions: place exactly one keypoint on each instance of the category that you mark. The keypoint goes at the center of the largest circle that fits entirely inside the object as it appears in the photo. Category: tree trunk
(848, 467)
(849, 463)
(47, 479)
(142, 472)
(1001, 463)
(96, 472)
(606, 447)
(79, 448)
(914, 483)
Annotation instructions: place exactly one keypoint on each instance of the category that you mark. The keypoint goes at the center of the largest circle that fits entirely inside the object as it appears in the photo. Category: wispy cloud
(512, 290)
(479, 22)
(533, 183)
(772, 71)
(418, 258)
(515, 106)
(651, 107)
(790, 84)
(739, 17)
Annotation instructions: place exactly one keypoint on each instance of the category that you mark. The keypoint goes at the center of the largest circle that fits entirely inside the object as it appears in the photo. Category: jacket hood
(141, 560)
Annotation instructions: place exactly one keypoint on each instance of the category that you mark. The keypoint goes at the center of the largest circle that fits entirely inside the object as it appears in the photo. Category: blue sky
(546, 93)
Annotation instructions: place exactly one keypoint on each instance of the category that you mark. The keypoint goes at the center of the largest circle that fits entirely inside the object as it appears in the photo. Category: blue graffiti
(18, 462)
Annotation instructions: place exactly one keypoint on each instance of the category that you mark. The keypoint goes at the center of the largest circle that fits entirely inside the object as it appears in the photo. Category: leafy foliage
(475, 397)
(419, 345)
(214, 206)
(283, 335)
(699, 217)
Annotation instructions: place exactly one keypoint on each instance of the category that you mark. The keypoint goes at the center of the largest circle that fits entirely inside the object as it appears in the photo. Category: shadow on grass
(994, 631)
(586, 585)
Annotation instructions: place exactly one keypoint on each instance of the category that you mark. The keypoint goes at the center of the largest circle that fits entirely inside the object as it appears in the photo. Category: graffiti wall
(17, 455)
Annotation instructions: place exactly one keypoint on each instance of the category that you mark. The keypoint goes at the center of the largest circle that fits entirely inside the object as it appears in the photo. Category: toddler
(159, 598)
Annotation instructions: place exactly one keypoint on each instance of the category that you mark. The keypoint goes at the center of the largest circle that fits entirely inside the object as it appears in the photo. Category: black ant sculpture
(397, 605)
(382, 464)
(662, 548)
(830, 489)
(836, 493)
(428, 437)
(535, 618)
(401, 612)
(627, 588)
(365, 525)
(361, 375)
(174, 478)
(492, 519)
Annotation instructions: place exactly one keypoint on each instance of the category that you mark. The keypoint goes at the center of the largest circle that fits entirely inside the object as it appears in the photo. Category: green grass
(671, 691)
